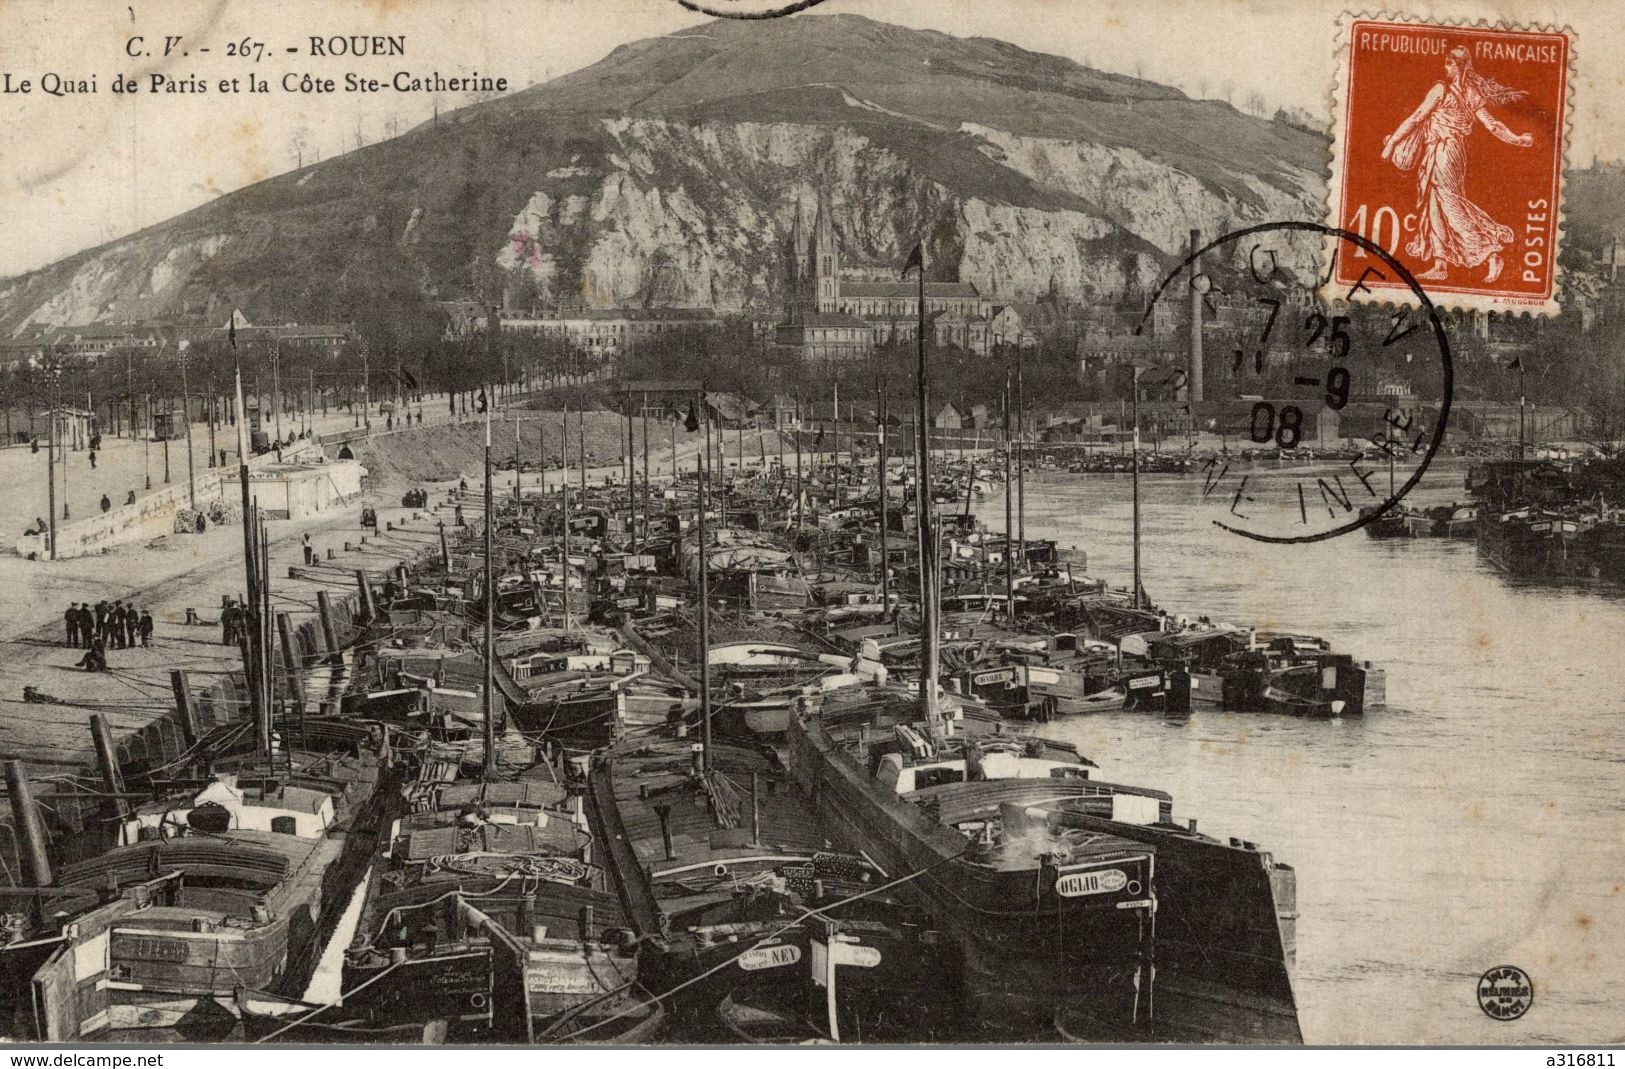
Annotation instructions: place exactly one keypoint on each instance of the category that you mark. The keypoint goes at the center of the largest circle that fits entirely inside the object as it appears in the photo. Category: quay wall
(153, 514)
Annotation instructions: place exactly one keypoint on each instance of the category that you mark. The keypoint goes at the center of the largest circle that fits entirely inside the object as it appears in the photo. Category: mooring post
(330, 636)
(368, 608)
(290, 662)
(183, 706)
(755, 808)
(36, 863)
(107, 761)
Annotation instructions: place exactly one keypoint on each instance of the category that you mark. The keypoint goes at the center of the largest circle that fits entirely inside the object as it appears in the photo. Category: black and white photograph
(663, 524)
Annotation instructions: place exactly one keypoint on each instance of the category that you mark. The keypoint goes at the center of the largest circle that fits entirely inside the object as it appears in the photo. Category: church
(839, 313)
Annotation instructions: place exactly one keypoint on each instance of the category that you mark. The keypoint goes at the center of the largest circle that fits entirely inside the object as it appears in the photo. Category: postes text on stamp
(1448, 148)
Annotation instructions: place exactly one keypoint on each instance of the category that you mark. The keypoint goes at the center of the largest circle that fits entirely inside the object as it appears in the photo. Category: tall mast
(564, 493)
(922, 503)
(1009, 532)
(1021, 459)
(256, 704)
(798, 463)
(705, 597)
(489, 727)
(1135, 468)
(645, 417)
(267, 669)
(836, 469)
(885, 512)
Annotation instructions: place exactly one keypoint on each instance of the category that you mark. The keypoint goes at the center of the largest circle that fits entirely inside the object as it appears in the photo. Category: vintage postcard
(655, 523)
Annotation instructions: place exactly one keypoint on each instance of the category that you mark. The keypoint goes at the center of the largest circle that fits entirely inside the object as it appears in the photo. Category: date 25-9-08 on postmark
(1448, 149)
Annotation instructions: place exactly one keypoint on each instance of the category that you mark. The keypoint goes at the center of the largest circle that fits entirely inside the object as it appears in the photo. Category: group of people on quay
(103, 626)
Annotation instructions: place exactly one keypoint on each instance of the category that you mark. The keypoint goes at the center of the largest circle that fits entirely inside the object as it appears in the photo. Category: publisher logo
(1505, 993)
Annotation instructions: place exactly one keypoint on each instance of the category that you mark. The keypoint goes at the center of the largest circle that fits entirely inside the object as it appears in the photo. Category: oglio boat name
(1096, 882)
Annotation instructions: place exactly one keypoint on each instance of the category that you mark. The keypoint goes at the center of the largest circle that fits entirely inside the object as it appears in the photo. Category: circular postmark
(1327, 409)
(748, 9)
(1505, 993)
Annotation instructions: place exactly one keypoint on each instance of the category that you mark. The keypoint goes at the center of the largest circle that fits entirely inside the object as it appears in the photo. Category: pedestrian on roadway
(93, 458)
(72, 618)
(102, 609)
(146, 628)
(228, 624)
(132, 625)
(115, 625)
(87, 624)
(95, 658)
(310, 550)
(106, 504)
(129, 499)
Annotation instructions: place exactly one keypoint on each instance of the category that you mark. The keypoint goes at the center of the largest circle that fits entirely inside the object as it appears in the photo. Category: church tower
(797, 272)
(826, 260)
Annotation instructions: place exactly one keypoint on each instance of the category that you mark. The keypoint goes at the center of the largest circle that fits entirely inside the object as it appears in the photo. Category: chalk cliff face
(670, 172)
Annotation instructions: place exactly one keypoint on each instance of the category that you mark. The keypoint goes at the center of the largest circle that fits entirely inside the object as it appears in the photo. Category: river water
(1477, 820)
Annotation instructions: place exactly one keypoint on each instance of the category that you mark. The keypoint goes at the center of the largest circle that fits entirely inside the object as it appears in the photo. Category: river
(1476, 820)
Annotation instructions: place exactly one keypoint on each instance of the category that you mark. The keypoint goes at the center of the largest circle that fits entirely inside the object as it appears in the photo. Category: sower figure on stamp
(1450, 228)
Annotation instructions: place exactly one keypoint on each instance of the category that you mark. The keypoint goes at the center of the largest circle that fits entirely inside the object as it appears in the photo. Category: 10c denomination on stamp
(1448, 148)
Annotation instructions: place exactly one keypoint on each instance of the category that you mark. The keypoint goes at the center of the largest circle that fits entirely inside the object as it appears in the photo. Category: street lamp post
(66, 513)
(50, 464)
(186, 415)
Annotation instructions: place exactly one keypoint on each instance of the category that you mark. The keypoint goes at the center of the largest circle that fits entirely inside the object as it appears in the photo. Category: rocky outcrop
(670, 173)
(697, 213)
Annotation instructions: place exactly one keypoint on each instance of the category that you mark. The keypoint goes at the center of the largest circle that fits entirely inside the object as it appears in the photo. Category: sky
(81, 169)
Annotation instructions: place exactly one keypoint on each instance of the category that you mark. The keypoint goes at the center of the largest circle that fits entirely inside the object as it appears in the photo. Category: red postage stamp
(1448, 148)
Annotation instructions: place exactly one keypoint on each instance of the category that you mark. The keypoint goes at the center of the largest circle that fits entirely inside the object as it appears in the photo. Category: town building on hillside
(604, 332)
(87, 343)
(1106, 359)
(838, 313)
(326, 340)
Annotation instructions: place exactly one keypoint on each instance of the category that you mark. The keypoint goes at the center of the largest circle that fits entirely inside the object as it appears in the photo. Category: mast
(885, 512)
(705, 598)
(1135, 468)
(1009, 542)
(581, 450)
(646, 466)
(564, 493)
(922, 502)
(267, 666)
(489, 705)
(50, 468)
(1522, 401)
(798, 461)
(262, 722)
(1021, 459)
(836, 469)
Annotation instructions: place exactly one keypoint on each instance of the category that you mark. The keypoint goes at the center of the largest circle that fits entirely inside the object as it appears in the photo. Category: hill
(668, 174)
